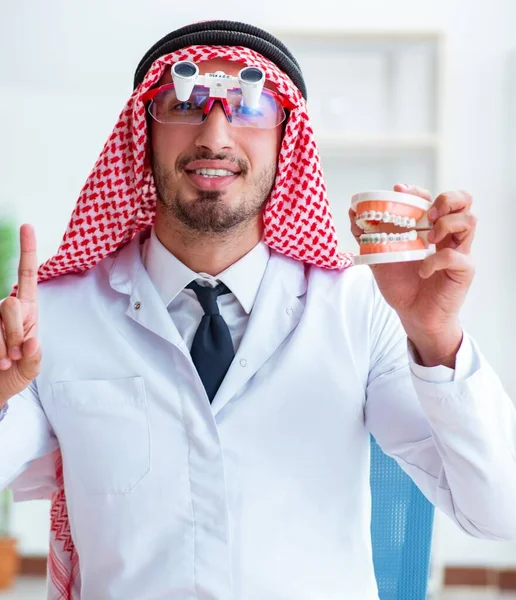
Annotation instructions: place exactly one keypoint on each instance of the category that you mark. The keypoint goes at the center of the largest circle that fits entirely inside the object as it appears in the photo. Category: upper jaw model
(395, 227)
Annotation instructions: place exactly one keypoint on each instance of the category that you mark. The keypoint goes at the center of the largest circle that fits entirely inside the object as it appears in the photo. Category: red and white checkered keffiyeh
(119, 200)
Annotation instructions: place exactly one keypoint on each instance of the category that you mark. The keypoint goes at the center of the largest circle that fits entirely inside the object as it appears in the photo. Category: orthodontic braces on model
(395, 227)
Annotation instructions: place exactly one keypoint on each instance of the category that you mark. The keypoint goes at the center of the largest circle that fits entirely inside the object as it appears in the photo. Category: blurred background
(402, 91)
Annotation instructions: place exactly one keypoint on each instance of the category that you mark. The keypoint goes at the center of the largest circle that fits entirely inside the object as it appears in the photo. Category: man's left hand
(428, 294)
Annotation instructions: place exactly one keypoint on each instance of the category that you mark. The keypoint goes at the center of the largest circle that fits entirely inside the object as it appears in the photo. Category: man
(212, 369)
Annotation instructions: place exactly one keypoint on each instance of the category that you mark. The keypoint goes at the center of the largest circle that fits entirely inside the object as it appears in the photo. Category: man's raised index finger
(28, 267)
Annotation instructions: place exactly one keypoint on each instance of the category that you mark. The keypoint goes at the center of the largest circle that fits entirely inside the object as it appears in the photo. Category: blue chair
(401, 530)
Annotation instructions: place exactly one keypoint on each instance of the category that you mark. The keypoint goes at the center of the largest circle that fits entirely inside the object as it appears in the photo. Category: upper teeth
(386, 217)
(214, 172)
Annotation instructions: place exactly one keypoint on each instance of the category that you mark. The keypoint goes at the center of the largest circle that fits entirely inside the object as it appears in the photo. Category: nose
(215, 134)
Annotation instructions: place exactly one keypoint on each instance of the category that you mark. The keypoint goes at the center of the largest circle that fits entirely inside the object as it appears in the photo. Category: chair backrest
(401, 530)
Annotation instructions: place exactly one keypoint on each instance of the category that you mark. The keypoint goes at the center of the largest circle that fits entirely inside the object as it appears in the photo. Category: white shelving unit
(374, 100)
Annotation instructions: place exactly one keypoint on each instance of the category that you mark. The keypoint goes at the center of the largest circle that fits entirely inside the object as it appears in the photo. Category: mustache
(243, 165)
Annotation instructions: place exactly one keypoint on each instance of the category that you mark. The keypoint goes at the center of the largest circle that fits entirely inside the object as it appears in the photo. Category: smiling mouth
(213, 173)
(212, 179)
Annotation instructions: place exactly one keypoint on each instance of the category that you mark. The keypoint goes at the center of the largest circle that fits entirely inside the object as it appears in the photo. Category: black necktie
(212, 348)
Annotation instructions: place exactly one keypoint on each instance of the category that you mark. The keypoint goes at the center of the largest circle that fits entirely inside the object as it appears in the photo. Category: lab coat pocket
(104, 433)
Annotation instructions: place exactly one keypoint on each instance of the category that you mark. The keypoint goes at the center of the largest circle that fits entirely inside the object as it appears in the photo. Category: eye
(246, 110)
(183, 106)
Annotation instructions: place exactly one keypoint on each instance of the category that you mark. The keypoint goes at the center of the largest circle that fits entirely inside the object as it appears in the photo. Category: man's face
(213, 205)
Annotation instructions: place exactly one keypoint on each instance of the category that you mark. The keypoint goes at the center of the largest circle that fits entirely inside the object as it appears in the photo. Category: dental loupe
(185, 75)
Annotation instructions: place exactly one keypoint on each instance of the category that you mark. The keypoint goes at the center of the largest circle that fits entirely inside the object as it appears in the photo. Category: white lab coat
(263, 495)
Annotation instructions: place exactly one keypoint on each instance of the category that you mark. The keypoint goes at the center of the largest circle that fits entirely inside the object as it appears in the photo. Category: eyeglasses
(164, 107)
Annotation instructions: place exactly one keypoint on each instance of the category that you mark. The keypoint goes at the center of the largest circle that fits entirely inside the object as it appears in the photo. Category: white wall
(30, 526)
(66, 71)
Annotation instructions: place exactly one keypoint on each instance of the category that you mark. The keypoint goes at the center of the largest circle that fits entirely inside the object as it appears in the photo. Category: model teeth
(388, 238)
(385, 217)
(214, 172)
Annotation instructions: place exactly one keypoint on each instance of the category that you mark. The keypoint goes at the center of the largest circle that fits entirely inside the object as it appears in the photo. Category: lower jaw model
(395, 227)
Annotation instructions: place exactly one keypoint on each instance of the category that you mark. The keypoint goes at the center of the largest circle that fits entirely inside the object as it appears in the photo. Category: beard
(207, 212)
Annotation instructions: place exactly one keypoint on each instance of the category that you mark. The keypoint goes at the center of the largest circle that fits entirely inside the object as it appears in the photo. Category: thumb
(30, 363)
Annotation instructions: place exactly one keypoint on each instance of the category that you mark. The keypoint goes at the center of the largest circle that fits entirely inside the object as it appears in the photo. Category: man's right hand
(20, 352)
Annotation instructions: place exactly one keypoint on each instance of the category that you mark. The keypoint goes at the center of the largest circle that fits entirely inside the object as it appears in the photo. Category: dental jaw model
(395, 227)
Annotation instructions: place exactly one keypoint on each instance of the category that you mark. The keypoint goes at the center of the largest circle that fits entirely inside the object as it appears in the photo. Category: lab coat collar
(128, 276)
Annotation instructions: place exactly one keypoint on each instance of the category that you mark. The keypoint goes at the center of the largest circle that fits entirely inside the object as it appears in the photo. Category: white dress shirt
(264, 493)
(170, 278)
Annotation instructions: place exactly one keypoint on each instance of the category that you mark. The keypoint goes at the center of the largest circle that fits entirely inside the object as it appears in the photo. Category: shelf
(361, 36)
(340, 143)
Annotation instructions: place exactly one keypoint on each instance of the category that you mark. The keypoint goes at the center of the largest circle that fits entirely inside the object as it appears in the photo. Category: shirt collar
(170, 276)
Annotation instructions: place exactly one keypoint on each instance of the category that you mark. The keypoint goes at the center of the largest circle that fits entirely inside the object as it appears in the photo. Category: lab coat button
(243, 362)
(290, 311)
